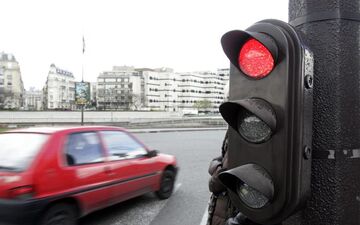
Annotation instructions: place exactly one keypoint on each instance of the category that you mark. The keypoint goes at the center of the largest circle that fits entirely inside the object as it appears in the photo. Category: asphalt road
(187, 206)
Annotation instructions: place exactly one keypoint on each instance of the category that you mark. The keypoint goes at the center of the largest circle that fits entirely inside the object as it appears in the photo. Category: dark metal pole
(82, 114)
(331, 29)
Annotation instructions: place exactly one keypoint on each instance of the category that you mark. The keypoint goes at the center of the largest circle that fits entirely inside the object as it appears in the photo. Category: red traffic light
(269, 121)
(255, 60)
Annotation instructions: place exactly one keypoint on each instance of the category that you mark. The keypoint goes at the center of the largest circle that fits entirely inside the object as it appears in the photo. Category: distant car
(52, 176)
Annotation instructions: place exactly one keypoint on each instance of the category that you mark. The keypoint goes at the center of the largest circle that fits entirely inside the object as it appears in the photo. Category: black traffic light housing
(270, 125)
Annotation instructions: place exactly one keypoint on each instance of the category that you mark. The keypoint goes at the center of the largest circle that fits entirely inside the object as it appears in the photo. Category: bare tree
(6, 98)
(136, 102)
(202, 105)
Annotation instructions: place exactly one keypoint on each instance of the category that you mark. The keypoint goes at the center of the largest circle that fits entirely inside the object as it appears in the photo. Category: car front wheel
(59, 214)
(166, 185)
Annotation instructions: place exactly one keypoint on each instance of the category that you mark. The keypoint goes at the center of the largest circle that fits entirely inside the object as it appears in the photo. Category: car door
(129, 163)
(85, 170)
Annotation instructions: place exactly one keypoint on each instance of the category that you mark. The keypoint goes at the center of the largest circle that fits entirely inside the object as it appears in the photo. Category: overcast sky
(181, 34)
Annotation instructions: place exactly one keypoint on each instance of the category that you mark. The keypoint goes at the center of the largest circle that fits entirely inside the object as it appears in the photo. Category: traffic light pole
(331, 29)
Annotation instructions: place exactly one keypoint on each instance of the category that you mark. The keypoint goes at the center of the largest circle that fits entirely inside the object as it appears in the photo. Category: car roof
(52, 130)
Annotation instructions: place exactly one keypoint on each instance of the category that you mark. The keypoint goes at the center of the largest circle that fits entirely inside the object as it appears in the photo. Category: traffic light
(269, 113)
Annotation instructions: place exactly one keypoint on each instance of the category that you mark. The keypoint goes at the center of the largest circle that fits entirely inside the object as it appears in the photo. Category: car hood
(166, 158)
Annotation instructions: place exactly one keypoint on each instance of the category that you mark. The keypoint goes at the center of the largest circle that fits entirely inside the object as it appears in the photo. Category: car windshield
(19, 149)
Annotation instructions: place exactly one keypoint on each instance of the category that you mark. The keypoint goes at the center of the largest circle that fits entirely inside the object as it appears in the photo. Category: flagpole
(82, 80)
(82, 67)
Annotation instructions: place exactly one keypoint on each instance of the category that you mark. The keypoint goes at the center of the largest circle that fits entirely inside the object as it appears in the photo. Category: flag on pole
(83, 44)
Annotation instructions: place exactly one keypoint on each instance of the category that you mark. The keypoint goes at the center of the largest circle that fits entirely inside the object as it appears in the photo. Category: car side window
(83, 148)
(122, 146)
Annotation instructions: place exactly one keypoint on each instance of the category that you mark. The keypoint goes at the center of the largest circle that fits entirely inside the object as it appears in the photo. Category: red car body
(61, 173)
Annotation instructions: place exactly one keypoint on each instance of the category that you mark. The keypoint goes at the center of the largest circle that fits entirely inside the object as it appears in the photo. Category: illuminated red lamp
(255, 60)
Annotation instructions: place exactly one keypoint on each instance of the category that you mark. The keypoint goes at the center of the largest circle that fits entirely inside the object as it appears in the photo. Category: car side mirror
(152, 153)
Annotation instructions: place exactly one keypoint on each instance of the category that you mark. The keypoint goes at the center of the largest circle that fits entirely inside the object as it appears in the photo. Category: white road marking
(205, 217)
(177, 187)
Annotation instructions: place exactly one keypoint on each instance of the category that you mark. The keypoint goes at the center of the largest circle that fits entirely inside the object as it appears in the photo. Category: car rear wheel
(166, 185)
(59, 214)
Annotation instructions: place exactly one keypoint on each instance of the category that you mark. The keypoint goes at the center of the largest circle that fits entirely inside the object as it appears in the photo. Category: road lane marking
(205, 217)
(177, 187)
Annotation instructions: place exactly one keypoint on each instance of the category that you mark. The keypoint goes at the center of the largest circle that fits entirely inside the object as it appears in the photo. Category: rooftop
(7, 57)
(51, 130)
(61, 71)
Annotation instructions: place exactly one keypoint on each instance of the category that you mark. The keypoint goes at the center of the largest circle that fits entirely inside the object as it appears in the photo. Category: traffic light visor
(253, 119)
(251, 183)
(254, 54)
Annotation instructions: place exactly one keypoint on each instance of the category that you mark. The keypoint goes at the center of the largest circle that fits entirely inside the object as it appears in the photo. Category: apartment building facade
(11, 84)
(168, 91)
(162, 89)
(119, 89)
(33, 99)
(59, 89)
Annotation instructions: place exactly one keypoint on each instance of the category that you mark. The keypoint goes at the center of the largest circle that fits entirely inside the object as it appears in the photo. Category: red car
(51, 176)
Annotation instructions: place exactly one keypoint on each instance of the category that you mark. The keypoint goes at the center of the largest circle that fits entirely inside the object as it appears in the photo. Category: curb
(166, 130)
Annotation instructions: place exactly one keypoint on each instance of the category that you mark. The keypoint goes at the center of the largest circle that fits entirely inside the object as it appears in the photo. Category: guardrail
(116, 118)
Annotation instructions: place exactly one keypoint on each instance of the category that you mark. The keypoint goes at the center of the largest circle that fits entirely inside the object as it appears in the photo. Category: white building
(161, 89)
(93, 93)
(199, 87)
(168, 91)
(11, 84)
(33, 99)
(225, 75)
(59, 90)
(158, 89)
